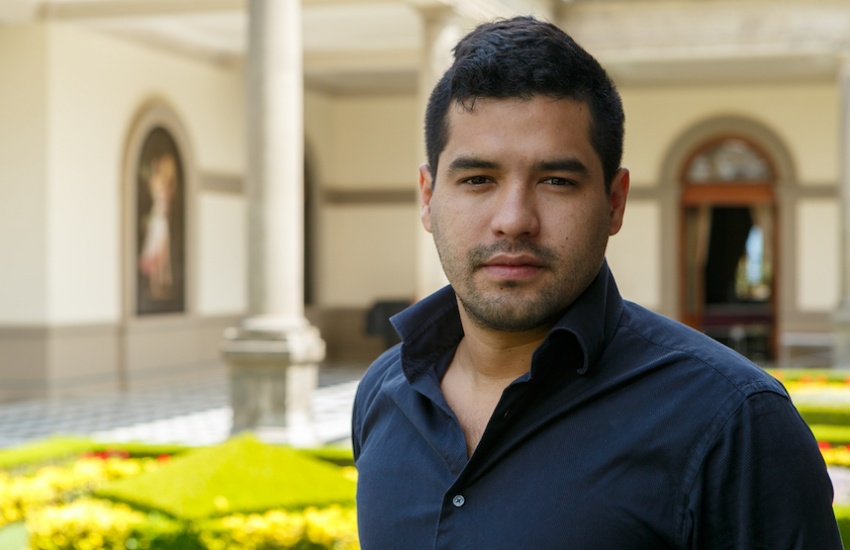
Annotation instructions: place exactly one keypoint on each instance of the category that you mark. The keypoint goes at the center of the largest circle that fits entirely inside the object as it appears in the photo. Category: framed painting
(160, 259)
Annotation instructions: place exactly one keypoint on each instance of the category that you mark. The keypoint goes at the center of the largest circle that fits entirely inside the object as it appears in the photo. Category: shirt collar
(431, 328)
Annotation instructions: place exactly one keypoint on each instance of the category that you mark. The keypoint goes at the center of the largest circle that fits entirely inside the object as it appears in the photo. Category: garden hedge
(825, 414)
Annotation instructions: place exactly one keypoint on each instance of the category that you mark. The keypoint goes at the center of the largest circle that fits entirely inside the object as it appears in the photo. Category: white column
(274, 353)
(443, 28)
(842, 313)
(275, 162)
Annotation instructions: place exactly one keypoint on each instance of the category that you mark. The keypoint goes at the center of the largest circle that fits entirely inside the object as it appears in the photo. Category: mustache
(480, 254)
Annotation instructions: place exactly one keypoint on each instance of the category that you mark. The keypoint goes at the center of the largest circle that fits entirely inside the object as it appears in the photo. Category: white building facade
(736, 135)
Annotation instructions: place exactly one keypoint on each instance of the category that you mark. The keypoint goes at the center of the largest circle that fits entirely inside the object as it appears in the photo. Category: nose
(516, 213)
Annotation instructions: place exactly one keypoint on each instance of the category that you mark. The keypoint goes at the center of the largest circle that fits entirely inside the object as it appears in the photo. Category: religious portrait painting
(160, 263)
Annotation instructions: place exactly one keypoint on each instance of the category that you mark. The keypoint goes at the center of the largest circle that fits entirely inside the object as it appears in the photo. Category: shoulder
(387, 365)
(657, 338)
(742, 425)
(386, 369)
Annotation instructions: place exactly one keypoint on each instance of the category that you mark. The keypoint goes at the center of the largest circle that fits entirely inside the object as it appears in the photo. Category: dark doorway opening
(728, 247)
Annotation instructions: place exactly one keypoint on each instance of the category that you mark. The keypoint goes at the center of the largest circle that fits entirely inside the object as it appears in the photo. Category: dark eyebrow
(471, 163)
(564, 165)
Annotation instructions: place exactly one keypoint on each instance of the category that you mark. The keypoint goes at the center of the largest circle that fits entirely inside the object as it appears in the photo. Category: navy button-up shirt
(629, 432)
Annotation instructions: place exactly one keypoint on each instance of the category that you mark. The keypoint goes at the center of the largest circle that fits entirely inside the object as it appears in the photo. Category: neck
(496, 356)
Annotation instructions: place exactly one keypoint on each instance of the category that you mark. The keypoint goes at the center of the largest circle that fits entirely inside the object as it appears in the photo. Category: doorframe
(730, 193)
(680, 150)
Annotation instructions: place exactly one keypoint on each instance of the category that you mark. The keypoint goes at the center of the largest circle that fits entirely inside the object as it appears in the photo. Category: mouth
(513, 266)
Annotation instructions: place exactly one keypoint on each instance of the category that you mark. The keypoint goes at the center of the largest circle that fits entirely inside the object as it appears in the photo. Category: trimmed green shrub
(825, 414)
(239, 476)
(340, 456)
(60, 448)
(834, 435)
(44, 450)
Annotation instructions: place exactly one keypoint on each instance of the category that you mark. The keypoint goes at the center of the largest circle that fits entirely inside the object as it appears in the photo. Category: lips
(513, 260)
(513, 267)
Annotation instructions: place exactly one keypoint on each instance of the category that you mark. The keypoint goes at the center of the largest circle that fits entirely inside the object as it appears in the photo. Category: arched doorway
(729, 245)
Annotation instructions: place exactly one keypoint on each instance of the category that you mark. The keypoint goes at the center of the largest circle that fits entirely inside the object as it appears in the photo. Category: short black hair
(522, 58)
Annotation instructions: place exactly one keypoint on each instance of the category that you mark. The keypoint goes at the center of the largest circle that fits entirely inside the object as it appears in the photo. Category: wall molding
(217, 182)
(345, 197)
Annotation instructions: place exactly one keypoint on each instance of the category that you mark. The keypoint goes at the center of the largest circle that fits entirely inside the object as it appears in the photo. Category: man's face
(519, 210)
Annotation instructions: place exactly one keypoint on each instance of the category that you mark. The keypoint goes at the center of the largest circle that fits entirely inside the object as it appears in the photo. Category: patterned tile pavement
(195, 412)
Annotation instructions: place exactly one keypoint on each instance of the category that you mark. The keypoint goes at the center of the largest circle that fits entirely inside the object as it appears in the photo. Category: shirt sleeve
(762, 485)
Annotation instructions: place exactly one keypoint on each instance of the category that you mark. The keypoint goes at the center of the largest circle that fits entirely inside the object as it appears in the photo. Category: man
(529, 406)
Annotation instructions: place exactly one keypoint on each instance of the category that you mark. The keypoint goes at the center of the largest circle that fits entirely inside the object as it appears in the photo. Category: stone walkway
(196, 412)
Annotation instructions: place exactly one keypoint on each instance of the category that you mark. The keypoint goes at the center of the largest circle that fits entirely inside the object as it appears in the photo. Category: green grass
(44, 450)
(833, 375)
(241, 475)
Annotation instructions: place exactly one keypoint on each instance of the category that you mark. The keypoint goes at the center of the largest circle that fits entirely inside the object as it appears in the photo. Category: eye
(477, 180)
(559, 182)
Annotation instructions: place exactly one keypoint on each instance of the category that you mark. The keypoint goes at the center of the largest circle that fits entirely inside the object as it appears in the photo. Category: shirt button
(458, 501)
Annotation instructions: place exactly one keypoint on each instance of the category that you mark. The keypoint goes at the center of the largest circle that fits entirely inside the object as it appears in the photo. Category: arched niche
(158, 195)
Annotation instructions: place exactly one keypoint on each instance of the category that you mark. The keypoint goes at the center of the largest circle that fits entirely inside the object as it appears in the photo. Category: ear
(425, 194)
(617, 199)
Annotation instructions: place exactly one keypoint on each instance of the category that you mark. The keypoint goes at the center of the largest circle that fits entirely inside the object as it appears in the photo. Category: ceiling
(368, 46)
(350, 46)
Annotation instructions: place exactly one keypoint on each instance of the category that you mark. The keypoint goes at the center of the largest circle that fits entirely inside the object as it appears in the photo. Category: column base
(274, 371)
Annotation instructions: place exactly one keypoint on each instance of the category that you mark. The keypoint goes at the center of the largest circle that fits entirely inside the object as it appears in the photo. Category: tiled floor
(196, 412)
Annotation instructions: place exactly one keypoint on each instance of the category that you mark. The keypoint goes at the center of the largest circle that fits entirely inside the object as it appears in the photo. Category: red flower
(823, 445)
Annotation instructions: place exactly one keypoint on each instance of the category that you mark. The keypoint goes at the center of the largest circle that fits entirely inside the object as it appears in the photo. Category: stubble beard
(511, 306)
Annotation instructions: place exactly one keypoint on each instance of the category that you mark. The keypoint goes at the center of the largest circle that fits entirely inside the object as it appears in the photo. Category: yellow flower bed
(333, 528)
(89, 524)
(85, 524)
(50, 484)
(835, 456)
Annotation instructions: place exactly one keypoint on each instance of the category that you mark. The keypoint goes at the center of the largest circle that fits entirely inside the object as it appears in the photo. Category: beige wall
(364, 147)
(637, 247)
(23, 193)
(818, 255)
(367, 254)
(222, 254)
(374, 143)
(97, 86)
(68, 103)
(804, 116)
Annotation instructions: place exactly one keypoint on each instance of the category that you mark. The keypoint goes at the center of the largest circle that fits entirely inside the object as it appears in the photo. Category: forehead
(538, 128)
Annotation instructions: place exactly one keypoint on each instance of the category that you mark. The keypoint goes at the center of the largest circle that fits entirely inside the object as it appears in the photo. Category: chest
(473, 410)
(571, 481)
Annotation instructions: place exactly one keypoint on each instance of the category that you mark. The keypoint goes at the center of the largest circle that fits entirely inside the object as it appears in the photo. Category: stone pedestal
(273, 374)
